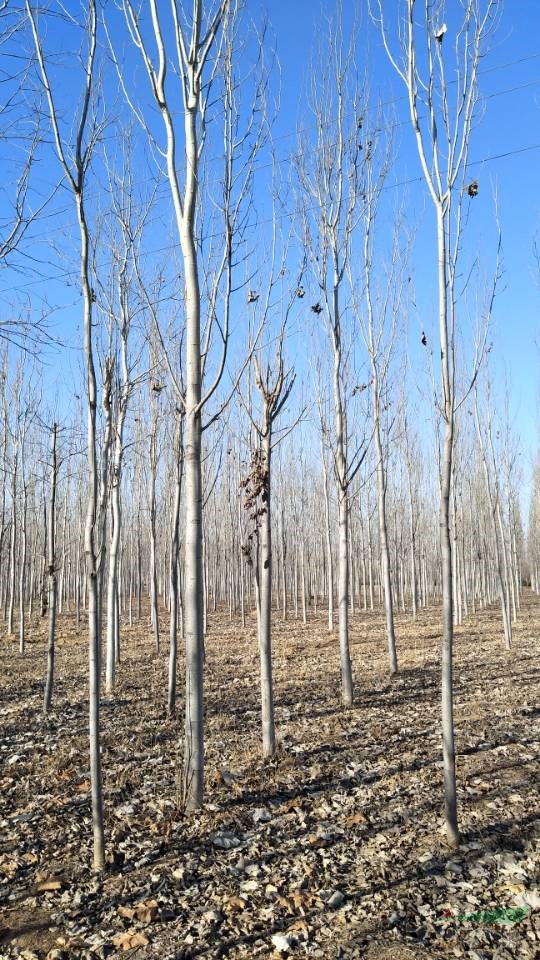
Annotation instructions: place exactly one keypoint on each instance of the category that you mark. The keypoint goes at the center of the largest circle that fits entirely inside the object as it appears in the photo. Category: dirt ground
(334, 849)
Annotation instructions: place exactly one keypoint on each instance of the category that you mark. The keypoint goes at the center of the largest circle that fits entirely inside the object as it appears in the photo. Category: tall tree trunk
(506, 578)
(383, 534)
(194, 574)
(343, 522)
(51, 575)
(92, 570)
(113, 626)
(175, 546)
(154, 604)
(264, 575)
(13, 544)
(22, 567)
(343, 599)
(112, 588)
(447, 703)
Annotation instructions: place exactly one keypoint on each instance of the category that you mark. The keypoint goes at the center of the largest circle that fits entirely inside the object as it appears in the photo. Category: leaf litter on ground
(334, 848)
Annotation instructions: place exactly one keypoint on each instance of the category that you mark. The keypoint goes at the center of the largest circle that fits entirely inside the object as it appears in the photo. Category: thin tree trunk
(383, 534)
(175, 546)
(264, 575)
(51, 576)
(22, 568)
(13, 543)
(154, 605)
(447, 704)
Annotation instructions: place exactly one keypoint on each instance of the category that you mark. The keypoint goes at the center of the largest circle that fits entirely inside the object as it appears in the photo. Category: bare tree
(442, 134)
(75, 171)
(378, 313)
(329, 174)
(197, 49)
(274, 385)
(125, 239)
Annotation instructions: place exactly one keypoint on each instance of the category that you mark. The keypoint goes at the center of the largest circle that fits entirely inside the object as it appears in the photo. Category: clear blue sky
(510, 125)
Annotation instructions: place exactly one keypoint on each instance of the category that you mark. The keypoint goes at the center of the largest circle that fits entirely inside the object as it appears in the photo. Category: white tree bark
(51, 574)
(77, 181)
(174, 574)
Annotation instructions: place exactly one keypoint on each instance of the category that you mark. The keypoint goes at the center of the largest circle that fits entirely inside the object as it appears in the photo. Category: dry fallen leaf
(30, 857)
(512, 887)
(129, 940)
(301, 900)
(45, 885)
(127, 912)
(9, 866)
(147, 911)
(354, 818)
(234, 905)
(299, 928)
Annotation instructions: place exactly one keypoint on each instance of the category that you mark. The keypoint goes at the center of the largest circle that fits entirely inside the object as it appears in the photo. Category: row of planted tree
(41, 526)
(268, 426)
(141, 545)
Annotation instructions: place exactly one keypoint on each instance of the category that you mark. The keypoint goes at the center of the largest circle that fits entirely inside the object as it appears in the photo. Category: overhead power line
(69, 275)
(287, 159)
(169, 248)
